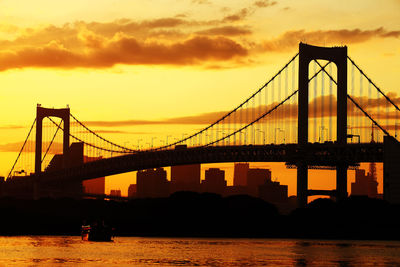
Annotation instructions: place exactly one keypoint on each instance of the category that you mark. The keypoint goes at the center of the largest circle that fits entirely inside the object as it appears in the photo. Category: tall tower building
(152, 183)
(214, 181)
(95, 186)
(185, 178)
(240, 174)
(256, 178)
(365, 184)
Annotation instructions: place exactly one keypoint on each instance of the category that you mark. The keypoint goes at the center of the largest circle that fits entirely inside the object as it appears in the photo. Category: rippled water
(136, 251)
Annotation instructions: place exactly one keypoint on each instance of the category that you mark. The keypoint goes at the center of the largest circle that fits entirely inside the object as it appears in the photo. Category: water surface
(136, 251)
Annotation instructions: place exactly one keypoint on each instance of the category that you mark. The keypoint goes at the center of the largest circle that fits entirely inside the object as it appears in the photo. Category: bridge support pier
(341, 182)
(302, 185)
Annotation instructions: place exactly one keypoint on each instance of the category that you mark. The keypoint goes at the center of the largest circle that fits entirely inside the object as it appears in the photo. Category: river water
(137, 251)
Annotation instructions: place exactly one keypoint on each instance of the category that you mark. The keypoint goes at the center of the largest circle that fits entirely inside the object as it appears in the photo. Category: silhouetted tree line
(206, 214)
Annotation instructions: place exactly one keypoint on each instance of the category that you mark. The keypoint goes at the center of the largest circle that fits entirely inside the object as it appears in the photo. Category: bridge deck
(317, 154)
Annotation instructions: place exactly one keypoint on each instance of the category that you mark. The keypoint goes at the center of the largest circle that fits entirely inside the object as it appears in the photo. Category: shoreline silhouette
(190, 214)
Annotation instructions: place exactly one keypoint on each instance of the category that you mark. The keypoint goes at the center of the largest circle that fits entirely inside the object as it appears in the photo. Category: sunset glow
(139, 72)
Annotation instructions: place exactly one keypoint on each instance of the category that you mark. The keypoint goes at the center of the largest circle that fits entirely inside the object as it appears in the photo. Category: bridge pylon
(337, 55)
(41, 113)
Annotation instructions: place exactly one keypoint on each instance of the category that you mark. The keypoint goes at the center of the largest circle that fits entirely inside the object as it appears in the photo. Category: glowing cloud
(290, 39)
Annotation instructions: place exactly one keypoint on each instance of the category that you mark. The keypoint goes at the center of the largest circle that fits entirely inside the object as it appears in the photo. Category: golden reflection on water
(136, 251)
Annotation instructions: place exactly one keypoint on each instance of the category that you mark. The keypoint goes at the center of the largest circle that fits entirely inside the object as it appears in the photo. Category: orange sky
(177, 61)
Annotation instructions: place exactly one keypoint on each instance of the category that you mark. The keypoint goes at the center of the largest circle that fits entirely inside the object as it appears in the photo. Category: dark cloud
(56, 148)
(128, 26)
(76, 35)
(162, 41)
(115, 132)
(226, 31)
(265, 3)
(201, 2)
(238, 16)
(125, 50)
(163, 23)
(10, 127)
(181, 15)
(290, 40)
(247, 11)
(324, 106)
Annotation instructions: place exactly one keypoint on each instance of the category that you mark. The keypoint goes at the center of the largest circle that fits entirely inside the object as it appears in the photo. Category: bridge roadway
(317, 154)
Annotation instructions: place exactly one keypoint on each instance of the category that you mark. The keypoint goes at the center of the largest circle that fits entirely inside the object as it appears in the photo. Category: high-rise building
(115, 192)
(67, 188)
(391, 170)
(258, 184)
(214, 181)
(132, 191)
(240, 174)
(94, 186)
(273, 192)
(185, 178)
(255, 178)
(152, 183)
(365, 184)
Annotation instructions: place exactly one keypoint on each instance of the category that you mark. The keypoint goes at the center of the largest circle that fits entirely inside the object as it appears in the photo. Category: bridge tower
(42, 113)
(337, 55)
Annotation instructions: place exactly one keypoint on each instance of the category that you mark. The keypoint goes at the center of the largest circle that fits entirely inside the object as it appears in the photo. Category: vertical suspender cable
(387, 114)
(378, 109)
(322, 105)
(279, 110)
(315, 103)
(369, 106)
(353, 114)
(259, 111)
(285, 121)
(253, 116)
(293, 101)
(362, 130)
(330, 103)
(266, 108)
(247, 121)
(240, 110)
(273, 101)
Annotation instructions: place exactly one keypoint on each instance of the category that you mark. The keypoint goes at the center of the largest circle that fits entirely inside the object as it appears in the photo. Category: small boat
(96, 232)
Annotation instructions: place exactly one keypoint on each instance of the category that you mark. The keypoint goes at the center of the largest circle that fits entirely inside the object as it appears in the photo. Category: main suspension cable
(19, 154)
(98, 136)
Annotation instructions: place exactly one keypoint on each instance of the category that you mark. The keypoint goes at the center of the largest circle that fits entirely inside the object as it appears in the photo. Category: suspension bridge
(320, 110)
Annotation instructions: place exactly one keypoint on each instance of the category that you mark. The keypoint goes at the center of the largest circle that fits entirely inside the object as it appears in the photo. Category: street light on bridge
(125, 143)
(207, 138)
(280, 131)
(276, 129)
(321, 137)
(262, 135)
(245, 137)
(167, 139)
(183, 137)
(152, 139)
(222, 135)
